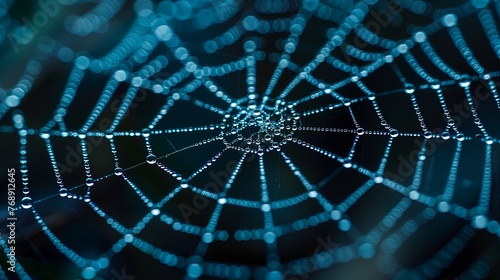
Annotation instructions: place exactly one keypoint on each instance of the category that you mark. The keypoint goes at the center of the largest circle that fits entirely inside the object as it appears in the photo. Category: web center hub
(258, 128)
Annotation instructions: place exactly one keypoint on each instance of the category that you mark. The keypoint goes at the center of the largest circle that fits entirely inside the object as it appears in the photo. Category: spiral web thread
(150, 27)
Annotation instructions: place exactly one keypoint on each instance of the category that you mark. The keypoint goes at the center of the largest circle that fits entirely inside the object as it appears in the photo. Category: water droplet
(240, 137)
(63, 192)
(486, 76)
(257, 112)
(347, 163)
(428, 135)
(336, 215)
(460, 137)
(89, 182)
(464, 81)
(86, 198)
(252, 104)
(451, 122)
(366, 250)
(151, 159)
(222, 200)
(344, 225)
(414, 195)
(146, 132)
(409, 88)
(212, 127)
(347, 102)
(118, 171)
(44, 135)
(443, 206)
(260, 152)
(435, 85)
(394, 133)
(360, 131)
(445, 135)
(82, 135)
(488, 140)
(420, 36)
(194, 270)
(267, 137)
(449, 20)
(184, 183)
(26, 190)
(26, 202)
(479, 221)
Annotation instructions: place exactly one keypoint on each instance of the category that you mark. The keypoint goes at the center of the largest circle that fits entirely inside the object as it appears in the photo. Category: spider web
(330, 128)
